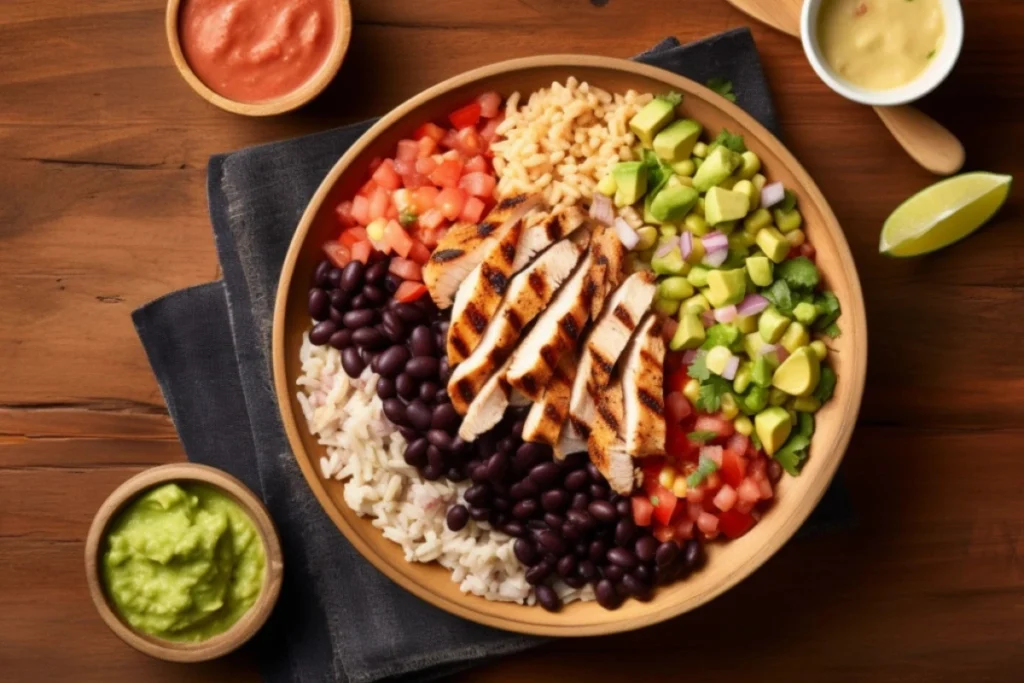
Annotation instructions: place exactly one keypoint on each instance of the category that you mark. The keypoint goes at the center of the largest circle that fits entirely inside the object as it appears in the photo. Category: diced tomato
(693, 509)
(419, 253)
(451, 155)
(466, 116)
(392, 213)
(338, 253)
(468, 142)
(677, 408)
(429, 130)
(361, 251)
(732, 468)
(423, 199)
(712, 482)
(663, 533)
(643, 510)
(450, 141)
(490, 129)
(425, 165)
(490, 103)
(707, 523)
(664, 502)
(683, 529)
(427, 146)
(478, 184)
(668, 330)
(379, 202)
(477, 165)
(738, 443)
(352, 235)
(344, 213)
(431, 220)
(406, 269)
(766, 489)
(397, 238)
(734, 523)
(807, 249)
(408, 150)
(374, 163)
(651, 468)
(447, 173)
(758, 468)
(427, 237)
(403, 167)
(450, 202)
(361, 210)
(414, 181)
(713, 423)
(748, 491)
(410, 291)
(725, 499)
(368, 187)
(676, 443)
(473, 210)
(676, 380)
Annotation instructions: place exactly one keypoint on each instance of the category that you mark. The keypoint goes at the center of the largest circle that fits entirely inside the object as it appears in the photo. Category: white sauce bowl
(929, 79)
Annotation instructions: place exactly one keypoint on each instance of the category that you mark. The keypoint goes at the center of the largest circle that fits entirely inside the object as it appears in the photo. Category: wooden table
(103, 152)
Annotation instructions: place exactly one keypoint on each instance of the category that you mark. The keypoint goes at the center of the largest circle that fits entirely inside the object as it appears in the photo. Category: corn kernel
(375, 230)
(692, 391)
(679, 487)
(648, 237)
(667, 476)
(730, 408)
(700, 150)
(743, 425)
(759, 181)
(753, 223)
(696, 224)
(750, 166)
(819, 349)
(796, 237)
(806, 404)
(787, 220)
(607, 185)
(777, 397)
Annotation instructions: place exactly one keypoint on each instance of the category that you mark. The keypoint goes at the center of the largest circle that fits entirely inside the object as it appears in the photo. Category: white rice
(365, 451)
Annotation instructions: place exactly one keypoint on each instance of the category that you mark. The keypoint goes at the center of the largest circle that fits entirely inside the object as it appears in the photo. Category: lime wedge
(944, 213)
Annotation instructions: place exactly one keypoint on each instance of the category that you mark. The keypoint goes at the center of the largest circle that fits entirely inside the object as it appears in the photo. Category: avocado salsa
(737, 280)
(183, 562)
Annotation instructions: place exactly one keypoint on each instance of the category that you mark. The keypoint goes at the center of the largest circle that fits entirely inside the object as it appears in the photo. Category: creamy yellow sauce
(880, 44)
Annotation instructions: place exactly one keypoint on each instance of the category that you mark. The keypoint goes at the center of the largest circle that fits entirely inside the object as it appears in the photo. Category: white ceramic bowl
(926, 81)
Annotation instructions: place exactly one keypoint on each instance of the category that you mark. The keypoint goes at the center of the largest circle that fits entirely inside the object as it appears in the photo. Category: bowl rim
(459, 606)
(290, 101)
(250, 621)
(925, 82)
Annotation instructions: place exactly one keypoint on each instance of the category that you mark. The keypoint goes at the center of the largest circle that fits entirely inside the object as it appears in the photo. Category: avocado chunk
(726, 287)
(760, 270)
(805, 312)
(795, 337)
(747, 324)
(754, 401)
(761, 373)
(667, 307)
(698, 275)
(689, 334)
(652, 118)
(685, 168)
(772, 325)
(630, 182)
(773, 244)
(799, 374)
(752, 344)
(724, 205)
(696, 304)
(718, 358)
(607, 185)
(676, 141)
(671, 263)
(742, 379)
(719, 165)
(672, 204)
(773, 426)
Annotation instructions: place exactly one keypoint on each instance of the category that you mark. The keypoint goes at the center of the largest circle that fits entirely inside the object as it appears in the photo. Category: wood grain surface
(102, 207)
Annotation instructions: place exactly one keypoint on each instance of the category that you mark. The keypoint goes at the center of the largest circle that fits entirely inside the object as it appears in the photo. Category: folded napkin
(338, 618)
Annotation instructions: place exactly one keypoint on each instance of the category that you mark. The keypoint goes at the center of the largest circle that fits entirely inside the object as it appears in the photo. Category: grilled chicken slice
(605, 446)
(556, 330)
(546, 417)
(528, 293)
(543, 230)
(604, 345)
(465, 245)
(643, 429)
(610, 256)
(480, 295)
(488, 407)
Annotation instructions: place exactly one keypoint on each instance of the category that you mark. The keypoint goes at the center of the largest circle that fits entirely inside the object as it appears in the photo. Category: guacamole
(183, 562)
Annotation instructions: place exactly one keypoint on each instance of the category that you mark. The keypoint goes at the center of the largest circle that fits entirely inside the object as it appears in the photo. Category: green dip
(183, 562)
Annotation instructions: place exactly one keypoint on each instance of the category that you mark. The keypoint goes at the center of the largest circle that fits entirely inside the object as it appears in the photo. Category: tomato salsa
(256, 50)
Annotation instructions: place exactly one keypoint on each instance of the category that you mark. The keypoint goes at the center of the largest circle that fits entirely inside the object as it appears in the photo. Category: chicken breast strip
(643, 429)
(605, 446)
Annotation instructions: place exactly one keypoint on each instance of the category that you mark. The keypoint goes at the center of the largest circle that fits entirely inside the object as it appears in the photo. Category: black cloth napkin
(338, 618)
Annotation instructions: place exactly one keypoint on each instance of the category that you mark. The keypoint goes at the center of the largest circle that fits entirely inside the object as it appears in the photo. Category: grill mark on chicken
(529, 384)
(495, 278)
(446, 255)
(508, 252)
(603, 363)
(476, 319)
(582, 428)
(569, 326)
(537, 283)
(486, 228)
(645, 355)
(608, 416)
(622, 313)
(549, 355)
(514, 320)
(460, 344)
(650, 401)
(465, 390)
(511, 202)
(554, 228)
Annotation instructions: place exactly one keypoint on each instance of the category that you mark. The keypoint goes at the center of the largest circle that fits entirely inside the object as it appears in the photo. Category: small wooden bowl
(247, 625)
(293, 100)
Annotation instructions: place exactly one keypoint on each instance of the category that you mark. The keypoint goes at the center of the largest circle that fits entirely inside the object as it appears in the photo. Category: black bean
(391, 283)
(390, 317)
(581, 518)
(579, 501)
(478, 474)
(440, 438)
(416, 453)
(357, 319)
(456, 473)
(538, 573)
(418, 415)
(646, 548)
(321, 332)
(588, 570)
(525, 551)
(524, 509)
(644, 573)
(431, 473)
(359, 301)
(575, 581)
(422, 367)
(530, 454)
(552, 542)
(441, 396)
(408, 433)
(369, 338)
(445, 418)
(376, 272)
(444, 371)
(576, 480)
(692, 555)
(622, 558)
(320, 273)
(602, 511)
(594, 473)
(497, 466)
(554, 500)
(407, 387)
(428, 392)
(623, 507)
(508, 446)
(479, 494)
(435, 457)
(545, 475)
(613, 572)
(385, 388)
(352, 276)
(421, 341)
(514, 528)
(339, 299)
(625, 530)
(574, 461)
(366, 354)
(570, 531)
(410, 313)
(352, 362)
(334, 277)
(599, 491)
(479, 514)
(536, 525)
(667, 574)
(635, 587)
(319, 303)
(554, 521)
(457, 518)
(606, 595)
(394, 410)
(393, 360)
(666, 554)
(341, 339)
(548, 598)
(336, 316)
(376, 295)
(523, 489)
(566, 566)
(501, 504)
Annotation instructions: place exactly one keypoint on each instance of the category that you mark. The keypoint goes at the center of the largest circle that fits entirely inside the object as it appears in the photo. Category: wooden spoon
(924, 139)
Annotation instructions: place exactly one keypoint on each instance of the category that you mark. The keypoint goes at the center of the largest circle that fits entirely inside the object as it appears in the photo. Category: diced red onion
(781, 353)
(731, 367)
(666, 248)
(752, 304)
(601, 209)
(715, 241)
(766, 349)
(715, 258)
(708, 318)
(689, 356)
(668, 328)
(686, 244)
(713, 453)
(726, 314)
(772, 194)
(627, 235)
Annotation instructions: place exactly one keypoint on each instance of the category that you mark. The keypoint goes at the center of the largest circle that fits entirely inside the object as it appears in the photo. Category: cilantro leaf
(794, 453)
(828, 305)
(729, 141)
(833, 331)
(799, 273)
(407, 217)
(780, 295)
(699, 367)
(705, 467)
(701, 436)
(722, 86)
(722, 334)
(711, 392)
(658, 172)
(826, 384)
(672, 97)
(788, 202)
